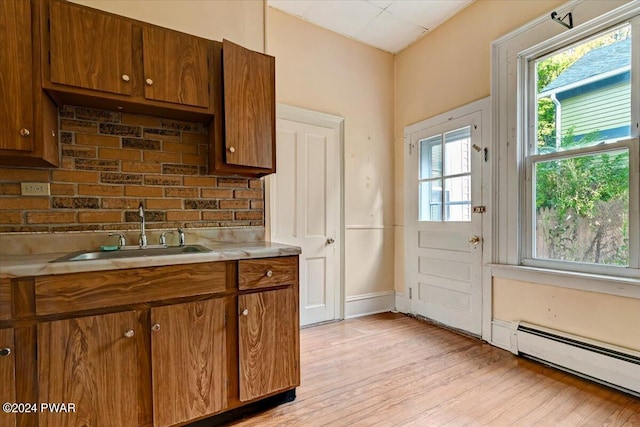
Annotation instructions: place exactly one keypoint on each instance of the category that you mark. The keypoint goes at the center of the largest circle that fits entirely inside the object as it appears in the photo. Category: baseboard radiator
(607, 364)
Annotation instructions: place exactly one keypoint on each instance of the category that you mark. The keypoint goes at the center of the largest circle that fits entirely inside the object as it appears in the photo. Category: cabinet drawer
(267, 272)
(5, 299)
(85, 291)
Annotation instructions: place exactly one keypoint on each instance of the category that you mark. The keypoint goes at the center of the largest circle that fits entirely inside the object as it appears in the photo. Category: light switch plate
(34, 188)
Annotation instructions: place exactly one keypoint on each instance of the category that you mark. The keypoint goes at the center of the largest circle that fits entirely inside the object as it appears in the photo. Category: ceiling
(390, 25)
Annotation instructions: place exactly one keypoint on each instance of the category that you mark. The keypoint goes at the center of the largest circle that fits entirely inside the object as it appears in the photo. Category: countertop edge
(15, 266)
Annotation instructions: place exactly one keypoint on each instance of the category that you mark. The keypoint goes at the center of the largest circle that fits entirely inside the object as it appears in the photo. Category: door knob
(474, 240)
(129, 333)
(155, 327)
(245, 312)
(330, 241)
(149, 82)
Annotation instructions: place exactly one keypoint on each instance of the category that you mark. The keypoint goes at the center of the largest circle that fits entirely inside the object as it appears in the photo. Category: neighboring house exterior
(594, 93)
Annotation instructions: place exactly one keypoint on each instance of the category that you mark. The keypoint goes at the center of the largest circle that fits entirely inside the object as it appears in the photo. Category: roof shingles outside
(598, 61)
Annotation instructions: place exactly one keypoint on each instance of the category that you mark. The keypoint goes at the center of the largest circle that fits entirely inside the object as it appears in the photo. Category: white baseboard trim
(403, 304)
(364, 304)
(501, 335)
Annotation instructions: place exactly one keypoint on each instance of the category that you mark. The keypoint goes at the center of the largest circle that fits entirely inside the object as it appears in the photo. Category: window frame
(529, 157)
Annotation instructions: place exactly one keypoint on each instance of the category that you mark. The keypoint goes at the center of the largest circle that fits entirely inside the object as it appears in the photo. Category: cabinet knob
(25, 132)
(232, 149)
(129, 333)
(125, 77)
(269, 273)
(5, 352)
(330, 241)
(155, 327)
(149, 82)
(245, 312)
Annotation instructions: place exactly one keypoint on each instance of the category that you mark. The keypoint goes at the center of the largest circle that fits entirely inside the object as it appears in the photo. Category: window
(445, 176)
(579, 152)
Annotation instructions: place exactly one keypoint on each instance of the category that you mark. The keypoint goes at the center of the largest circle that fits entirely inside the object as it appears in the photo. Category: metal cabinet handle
(25, 132)
(149, 82)
(125, 77)
(5, 352)
(245, 312)
(155, 327)
(232, 149)
(129, 333)
(269, 273)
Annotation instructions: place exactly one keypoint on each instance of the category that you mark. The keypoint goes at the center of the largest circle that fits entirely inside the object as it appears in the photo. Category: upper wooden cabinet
(29, 118)
(98, 59)
(244, 125)
(175, 67)
(90, 50)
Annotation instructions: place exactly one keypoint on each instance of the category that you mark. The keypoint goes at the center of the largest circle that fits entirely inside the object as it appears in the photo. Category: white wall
(323, 71)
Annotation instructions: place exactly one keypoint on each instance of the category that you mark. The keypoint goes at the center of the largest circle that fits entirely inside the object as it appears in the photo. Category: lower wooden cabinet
(90, 362)
(268, 342)
(7, 375)
(188, 361)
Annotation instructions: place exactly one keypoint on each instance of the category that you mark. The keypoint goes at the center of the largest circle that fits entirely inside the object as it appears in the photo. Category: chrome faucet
(181, 241)
(121, 239)
(142, 241)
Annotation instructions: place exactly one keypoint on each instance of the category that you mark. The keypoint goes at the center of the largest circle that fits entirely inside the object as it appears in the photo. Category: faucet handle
(181, 240)
(163, 238)
(121, 239)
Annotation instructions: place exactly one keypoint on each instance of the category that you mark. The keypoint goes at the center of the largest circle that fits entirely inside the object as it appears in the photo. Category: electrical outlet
(35, 188)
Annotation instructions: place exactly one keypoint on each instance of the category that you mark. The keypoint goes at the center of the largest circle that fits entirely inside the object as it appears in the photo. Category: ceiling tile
(427, 14)
(382, 4)
(293, 7)
(345, 17)
(391, 33)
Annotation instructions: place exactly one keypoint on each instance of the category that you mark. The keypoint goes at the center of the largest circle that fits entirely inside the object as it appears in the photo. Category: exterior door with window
(444, 235)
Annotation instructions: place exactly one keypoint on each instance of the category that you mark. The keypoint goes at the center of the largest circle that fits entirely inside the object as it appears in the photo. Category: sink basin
(132, 253)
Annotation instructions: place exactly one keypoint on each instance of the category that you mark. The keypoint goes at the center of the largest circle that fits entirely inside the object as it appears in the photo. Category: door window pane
(457, 198)
(430, 201)
(457, 154)
(431, 157)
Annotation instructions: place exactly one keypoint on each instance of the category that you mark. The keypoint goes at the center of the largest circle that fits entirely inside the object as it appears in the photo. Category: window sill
(611, 285)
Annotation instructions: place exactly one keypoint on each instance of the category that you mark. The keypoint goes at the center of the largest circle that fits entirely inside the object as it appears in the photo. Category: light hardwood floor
(393, 370)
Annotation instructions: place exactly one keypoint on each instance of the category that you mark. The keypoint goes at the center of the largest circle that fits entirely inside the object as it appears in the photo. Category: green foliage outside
(575, 196)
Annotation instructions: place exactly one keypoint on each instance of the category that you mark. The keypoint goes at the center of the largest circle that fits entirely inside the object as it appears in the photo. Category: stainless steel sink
(132, 253)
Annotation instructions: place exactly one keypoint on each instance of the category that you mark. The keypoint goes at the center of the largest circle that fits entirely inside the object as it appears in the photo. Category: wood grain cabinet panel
(16, 68)
(268, 342)
(188, 360)
(91, 362)
(100, 289)
(7, 375)
(90, 50)
(28, 135)
(175, 67)
(245, 125)
(5, 299)
(267, 272)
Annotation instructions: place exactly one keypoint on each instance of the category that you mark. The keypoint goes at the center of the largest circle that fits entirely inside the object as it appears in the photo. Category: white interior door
(444, 235)
(305, 199)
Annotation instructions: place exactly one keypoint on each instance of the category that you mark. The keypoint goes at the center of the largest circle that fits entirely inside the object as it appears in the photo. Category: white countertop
(12, 266)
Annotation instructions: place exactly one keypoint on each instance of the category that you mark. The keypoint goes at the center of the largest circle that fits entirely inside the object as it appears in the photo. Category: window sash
(529, 226)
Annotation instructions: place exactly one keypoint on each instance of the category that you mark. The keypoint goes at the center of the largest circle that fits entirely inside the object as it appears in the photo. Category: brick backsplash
(111, 161)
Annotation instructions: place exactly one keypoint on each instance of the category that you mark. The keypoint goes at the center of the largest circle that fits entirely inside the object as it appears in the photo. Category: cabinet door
(7, 375)
(188, 354)
(90, 362)
(249, 106)
(175, 67)
(268, 341)
(89, 49)
(16, 68)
